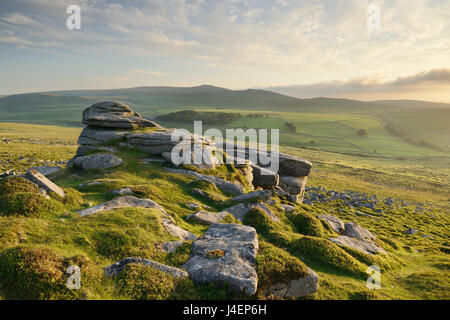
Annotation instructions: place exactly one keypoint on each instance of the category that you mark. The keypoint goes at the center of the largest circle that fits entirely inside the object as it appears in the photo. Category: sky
(298, 47)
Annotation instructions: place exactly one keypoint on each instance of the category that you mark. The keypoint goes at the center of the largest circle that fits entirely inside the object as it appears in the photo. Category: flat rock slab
(262, 195)
(122, 192)
(236, 266)
(411, 231)
(171, 246)
(117, 267)
(240, 211)
(297, 288)
(225, 186)
(44, 170)
(364, 246)
(44, 183)
(97, 161)
(177, 231)
(111, 114)
(122, 202)
(352, 229)
(335, 223)
(206, 217)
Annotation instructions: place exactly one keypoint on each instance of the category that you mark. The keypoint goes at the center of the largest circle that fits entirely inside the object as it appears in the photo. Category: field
(417, 267)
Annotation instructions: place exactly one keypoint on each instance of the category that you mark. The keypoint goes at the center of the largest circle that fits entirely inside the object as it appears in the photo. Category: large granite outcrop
(112, 114)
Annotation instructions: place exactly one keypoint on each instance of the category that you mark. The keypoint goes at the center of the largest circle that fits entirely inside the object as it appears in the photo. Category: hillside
(413, 104)
(62, 107)
(322, 123)
(400, 205)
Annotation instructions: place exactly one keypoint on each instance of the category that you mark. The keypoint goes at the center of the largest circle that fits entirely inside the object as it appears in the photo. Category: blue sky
(307, 48)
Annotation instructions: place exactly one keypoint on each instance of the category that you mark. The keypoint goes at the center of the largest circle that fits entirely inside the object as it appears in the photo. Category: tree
(362, 133)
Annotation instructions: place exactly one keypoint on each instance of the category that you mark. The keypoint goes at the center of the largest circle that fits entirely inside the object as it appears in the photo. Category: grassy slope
(109, 236)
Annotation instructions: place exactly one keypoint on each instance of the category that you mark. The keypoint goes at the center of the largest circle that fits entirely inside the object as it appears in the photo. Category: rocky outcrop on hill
(111, 123)
(114, 122)
(226, 253)
(110, 114)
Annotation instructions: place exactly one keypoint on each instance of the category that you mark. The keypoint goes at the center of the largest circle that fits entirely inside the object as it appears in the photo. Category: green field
(417, 267)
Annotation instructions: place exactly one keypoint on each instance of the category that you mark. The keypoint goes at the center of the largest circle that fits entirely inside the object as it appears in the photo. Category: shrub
(141, 282)
(275, 265)
(34, 273)
(362, 133)
(30, 205)
(323, 253)
(17, 185)
(307, 224)
(149, 191)
(258, 219)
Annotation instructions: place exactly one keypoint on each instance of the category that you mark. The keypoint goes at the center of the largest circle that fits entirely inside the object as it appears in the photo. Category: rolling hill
(63, 107)
(322, 120)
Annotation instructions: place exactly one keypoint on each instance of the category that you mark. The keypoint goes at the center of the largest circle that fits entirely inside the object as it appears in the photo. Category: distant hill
(64, 107)
(416, 104)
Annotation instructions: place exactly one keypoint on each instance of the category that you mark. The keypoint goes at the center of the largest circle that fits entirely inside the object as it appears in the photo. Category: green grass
(416, 267)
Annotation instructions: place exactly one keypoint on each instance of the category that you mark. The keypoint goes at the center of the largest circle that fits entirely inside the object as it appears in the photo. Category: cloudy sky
(304, 48)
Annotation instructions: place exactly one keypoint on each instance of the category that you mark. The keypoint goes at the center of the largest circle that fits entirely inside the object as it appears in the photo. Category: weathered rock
(84, 149)
(297, 288)
(235, 266)
(122, 202)
(293, 185)
(411, 231)
(264, 178)
(226, 186)
(206, 217)
(44, 183)
(117, 267)
(207, 161)
(177, 231)
(97, 161)
(262, 195)
(365, 246)
(171, 246)
(114, 115)
(94, 136)
(44, 170)
(193, 206)
(352, 229)
(335, 223)
(244, 166)
(122, 192)
(287, 207)
(240, 211)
